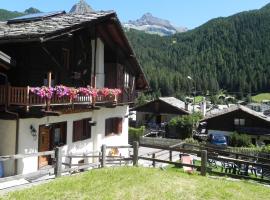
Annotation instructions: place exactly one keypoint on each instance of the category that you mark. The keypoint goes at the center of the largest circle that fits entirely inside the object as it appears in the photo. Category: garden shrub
(183, 125)
(134, 134)
(240, 140)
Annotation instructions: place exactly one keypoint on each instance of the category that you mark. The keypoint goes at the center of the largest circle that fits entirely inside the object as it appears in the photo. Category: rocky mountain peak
(81, 7)
(155, 25)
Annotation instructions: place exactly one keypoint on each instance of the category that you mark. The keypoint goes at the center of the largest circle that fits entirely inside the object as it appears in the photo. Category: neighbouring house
(259, 107)
(159, 111)
(84, 60)
(239, 119)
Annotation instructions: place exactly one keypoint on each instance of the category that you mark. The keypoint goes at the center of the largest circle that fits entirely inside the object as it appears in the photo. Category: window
(81, 130)
(239, 122)
(113, 126)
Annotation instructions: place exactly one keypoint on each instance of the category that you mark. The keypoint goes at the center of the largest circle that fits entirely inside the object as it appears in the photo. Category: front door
(44, 145)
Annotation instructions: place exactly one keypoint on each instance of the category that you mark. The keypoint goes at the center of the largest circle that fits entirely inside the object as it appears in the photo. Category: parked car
(218, 139)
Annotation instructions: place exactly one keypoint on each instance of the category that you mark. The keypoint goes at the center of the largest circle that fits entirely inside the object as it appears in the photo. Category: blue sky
(188, 13)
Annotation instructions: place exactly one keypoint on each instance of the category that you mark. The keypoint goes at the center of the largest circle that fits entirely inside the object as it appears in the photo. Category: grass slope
(142, 183)
(260, 97)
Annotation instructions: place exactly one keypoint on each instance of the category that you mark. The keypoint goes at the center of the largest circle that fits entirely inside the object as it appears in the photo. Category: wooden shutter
(119, 125)
(108, 126)
(77, 130)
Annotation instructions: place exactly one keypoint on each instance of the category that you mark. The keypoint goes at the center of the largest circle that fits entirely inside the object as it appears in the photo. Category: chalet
(160, 111)
(239, 119)
(71, 85)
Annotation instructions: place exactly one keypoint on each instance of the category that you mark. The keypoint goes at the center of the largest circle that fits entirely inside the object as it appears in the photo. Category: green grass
(142, 183)
(260, 97)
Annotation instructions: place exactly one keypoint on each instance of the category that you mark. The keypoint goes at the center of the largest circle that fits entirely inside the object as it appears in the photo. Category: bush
(191, 141)
(134, 134)
(240, 140)
(266, 149)
(183, 125)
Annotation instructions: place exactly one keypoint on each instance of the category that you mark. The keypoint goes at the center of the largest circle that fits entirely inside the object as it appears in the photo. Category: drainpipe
(17, 122)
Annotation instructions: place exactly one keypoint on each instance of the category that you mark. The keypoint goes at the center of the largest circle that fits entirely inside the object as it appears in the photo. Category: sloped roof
(173, 102)
(5, 60)
(163, 105)
(235, 108)
(49, 25)
(54, 26)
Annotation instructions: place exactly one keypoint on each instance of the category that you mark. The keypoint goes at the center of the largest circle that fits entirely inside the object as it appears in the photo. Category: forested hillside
(5, 14)
(230, 53)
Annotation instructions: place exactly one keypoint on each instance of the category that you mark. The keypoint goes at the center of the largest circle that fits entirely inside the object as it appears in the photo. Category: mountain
(5, 14)
(150, 24)
(229, 53)
(81, 7)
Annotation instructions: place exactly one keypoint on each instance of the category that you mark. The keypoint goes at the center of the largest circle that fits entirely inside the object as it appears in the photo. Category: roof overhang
(6, 61)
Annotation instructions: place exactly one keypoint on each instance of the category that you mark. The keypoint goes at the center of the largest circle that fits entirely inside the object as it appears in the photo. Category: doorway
(50, 137)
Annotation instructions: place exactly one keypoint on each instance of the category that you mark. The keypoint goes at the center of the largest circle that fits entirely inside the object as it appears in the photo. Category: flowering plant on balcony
(104, 92)
(94, 92)
(116, 92)
(73, 93)
(43, 92)
(61, 91)
(85, 91)
(109, 92)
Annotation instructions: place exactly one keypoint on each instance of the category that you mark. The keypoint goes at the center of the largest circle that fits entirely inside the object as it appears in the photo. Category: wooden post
(103, 155)
(49, 79)
(27, 99)
(135, 153)
(171, 155)
(154, 162)
(203, 162)
(58, 162)
(70, 162)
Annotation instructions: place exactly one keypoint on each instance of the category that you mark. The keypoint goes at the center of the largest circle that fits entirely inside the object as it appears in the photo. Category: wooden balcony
(21, 96)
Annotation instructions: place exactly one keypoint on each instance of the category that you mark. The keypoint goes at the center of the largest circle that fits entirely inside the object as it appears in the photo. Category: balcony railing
(22, 96)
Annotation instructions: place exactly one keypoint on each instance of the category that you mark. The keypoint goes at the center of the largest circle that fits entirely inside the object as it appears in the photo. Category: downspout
(17, 122)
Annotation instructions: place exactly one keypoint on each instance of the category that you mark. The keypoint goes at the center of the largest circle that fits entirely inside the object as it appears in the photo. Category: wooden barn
(242, 120)
(74, 78)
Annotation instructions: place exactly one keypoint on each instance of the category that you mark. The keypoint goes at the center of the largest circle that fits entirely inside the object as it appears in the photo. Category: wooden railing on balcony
(21, 96)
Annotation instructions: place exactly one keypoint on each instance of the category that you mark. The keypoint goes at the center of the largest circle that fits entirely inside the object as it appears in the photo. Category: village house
(239, 119)
(159, 112)
(91, 76)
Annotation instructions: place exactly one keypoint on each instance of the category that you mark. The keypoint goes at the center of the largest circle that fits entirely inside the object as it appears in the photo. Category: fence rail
(101, 159)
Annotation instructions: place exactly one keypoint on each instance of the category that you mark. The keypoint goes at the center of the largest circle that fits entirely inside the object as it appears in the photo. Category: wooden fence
(207, 157)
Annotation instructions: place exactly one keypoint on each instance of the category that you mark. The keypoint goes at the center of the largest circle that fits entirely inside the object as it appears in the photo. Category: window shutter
(119, 123)
(77, 130)
(108, 127)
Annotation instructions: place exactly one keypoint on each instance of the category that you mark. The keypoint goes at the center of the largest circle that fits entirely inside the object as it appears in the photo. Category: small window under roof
(34, 17)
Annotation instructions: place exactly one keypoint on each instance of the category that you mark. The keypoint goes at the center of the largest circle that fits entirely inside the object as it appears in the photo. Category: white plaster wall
(122, 139)
(28, 144)
(8, 144)
(100, 76)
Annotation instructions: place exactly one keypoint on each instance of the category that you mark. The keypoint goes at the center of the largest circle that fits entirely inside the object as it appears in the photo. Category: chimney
(203, 107)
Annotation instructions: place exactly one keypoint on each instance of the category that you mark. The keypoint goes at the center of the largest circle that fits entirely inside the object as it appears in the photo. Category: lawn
(142, 183)
(260, 97)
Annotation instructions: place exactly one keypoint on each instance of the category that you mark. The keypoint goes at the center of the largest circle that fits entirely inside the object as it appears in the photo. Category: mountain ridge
(229, 53)
(153, 25)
